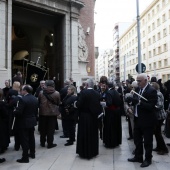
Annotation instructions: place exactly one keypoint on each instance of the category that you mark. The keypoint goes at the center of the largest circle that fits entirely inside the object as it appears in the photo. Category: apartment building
(117, 32)
(155, 43)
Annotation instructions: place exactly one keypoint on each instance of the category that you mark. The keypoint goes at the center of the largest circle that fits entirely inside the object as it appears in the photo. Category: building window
(150, 54)
(154, 65)
(163, 18)
(159, 50)
(157, 8)
(149, 41)
(143, 22)
(160, 64)
(158, 22)
(153, 26)
(164, 32)
(169, 13)
(153, 13)
(149, 29)
(154, 39)
(144, 57)
(143, 33)
(150, 67)
(163, 3)
(154, 52)
(159, 35)
(168, 75)
(165, 62)
(143, 44)
(165, 47)
(149, 16)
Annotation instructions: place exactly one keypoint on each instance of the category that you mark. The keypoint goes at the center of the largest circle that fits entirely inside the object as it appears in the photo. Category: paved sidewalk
(64, 157)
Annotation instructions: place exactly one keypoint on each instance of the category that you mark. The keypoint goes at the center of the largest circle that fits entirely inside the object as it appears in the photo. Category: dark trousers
(71, 129)
(27, 140)
(143, 134)
(47, 129)
(158, 135)
(64, 126)
(130, 128)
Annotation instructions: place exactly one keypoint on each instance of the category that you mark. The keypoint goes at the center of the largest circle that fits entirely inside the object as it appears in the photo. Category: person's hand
(103, 104)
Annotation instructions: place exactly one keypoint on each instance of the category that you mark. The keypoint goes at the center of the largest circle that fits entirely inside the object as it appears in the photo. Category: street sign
(143, 68)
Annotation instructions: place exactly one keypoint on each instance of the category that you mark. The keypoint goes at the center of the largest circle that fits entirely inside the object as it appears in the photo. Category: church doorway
(38, 36)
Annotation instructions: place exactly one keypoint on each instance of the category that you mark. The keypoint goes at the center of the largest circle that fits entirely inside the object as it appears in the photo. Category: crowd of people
(97, 110)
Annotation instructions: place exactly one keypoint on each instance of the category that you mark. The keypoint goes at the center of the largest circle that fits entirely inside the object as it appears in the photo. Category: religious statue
(82, 46)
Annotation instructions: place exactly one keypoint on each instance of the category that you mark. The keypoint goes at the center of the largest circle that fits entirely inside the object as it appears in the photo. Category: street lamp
(138, 33)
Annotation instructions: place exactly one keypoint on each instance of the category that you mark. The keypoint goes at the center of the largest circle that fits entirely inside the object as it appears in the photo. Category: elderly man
(144, 101)
(89, 107)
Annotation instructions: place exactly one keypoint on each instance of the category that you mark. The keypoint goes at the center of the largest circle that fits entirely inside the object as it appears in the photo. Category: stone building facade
(48, 32)
(155, 44)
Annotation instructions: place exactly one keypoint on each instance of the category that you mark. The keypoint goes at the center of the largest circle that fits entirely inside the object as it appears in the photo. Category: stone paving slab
(65, 158)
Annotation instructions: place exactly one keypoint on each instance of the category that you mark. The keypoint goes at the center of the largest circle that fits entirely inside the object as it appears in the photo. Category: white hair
(90, 83)
(143, 75)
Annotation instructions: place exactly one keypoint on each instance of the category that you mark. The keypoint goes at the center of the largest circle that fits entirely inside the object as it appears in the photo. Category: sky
(110, 12)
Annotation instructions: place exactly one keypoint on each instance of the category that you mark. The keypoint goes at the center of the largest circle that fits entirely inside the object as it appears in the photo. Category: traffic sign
(143, 68)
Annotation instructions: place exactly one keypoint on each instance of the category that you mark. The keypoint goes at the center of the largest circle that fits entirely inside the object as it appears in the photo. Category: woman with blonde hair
(161, 148)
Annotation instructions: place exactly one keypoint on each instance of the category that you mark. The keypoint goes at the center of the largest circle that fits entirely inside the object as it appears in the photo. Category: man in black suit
(26, 114)
(144, 119)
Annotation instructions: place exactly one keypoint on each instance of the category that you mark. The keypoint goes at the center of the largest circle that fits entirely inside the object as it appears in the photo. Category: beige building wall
(155, 42)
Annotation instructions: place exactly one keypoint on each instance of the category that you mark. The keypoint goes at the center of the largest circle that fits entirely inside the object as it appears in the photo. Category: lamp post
(138, 33)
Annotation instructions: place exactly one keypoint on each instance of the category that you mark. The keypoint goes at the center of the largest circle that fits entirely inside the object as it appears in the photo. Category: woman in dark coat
(69, 113)
(112, 131)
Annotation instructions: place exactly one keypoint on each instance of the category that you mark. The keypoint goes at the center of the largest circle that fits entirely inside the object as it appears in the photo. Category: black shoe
(140, 160)
(133, 152)
(17, 147)
(69, 143)
(22, 160)
(71, 140)
(63, 136)
(168, 144)
(42, 144)
(161, 152)
(32, 156)
(2, 160)
(129, 138)
(51, 146)
(156, 149)
(145, 164)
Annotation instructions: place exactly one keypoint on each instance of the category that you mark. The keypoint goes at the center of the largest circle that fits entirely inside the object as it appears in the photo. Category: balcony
(117, 50)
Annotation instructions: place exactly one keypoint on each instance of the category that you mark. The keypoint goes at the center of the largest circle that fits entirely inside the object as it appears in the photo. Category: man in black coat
(26, 113)
(144, 120)
(89, 107)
